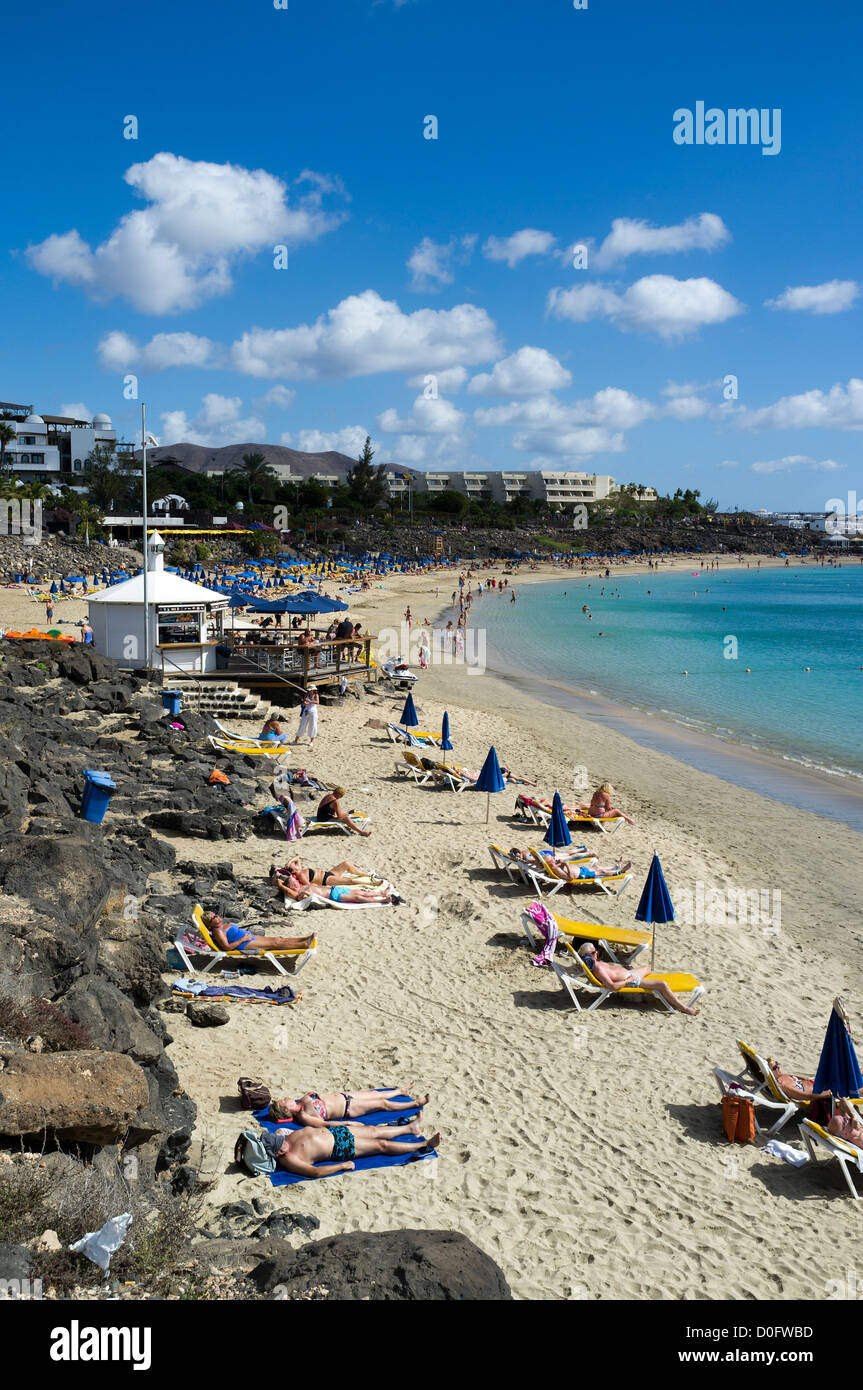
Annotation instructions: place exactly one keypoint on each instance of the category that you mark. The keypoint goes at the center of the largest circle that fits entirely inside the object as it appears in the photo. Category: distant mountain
(198, 458)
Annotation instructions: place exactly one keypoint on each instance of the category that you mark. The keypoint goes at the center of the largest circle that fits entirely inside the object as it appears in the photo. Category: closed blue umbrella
(409, 713)
(490, 779)
(655, 904)
(557, 835)
(53, 586)
(838, 1070)
(446, 746)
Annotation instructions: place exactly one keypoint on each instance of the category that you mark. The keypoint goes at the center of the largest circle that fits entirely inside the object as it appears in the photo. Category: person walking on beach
(308, 725)
(617, 977)
(303, 1149)
(49, 612)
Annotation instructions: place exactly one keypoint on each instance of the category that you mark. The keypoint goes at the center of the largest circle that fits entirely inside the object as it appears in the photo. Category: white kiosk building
(185, 619)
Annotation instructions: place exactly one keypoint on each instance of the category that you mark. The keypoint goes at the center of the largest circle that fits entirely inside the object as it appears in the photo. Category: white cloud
(76, 411)
(840, 408)
(365, 334)
(610, 407)
(179, 250)
(450, 380)
(579, 443)
(655, 304)
(632, 236)
(527, 372)
(833, 297)
(218, 422)
(281, 396)
(426, 417)
(119, 352)
(515, 248)
(728, 463)
(784, 465)
(349, 440)
(431, 262)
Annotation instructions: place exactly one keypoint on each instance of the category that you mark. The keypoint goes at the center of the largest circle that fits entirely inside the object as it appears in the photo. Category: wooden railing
(348, 655)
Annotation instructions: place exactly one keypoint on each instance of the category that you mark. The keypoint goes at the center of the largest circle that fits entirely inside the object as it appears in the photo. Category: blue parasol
(655, 904)
(490, 779)
(557, 835)
(838, 1069)
(409, 713)
(446, 746)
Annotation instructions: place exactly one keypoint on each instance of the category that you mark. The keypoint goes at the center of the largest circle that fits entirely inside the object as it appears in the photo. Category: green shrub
(30, 1018)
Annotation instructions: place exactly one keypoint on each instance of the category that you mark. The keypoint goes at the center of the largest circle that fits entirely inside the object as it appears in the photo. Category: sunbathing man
(600, 804)
(292, 888)
(304, 1148)
(320, 1111)
(329, 809)
(230, 937)
(617, 977)
(846, 1124)
(572, 872)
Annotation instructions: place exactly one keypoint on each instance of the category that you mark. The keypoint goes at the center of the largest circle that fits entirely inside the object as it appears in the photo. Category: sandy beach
(583, 1152)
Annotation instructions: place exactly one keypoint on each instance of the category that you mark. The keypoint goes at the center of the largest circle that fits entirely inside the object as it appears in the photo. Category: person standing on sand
(308, 725)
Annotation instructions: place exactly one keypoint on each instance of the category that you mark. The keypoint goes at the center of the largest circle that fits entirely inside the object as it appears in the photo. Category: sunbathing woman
(318, 1111)
(230, 937)
(600, 804)
(304, 1148)
(344, 873)
(795, 1087)
(291, 887)
(272, 732)
(329, 809)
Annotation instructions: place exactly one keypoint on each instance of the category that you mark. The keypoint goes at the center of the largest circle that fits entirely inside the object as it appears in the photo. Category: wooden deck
(282, 666)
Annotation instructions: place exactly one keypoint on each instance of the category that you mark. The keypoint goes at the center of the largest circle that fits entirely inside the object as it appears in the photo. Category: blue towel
(281, 1178)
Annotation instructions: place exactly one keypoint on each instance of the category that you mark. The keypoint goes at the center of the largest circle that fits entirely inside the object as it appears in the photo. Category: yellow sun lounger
(581, 978)
(607, 937)
(215, 953)
(359, 817)
(758, 1067)
(249, 747)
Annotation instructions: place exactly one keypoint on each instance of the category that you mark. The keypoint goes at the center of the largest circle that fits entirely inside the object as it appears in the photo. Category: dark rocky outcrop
(396, 1266)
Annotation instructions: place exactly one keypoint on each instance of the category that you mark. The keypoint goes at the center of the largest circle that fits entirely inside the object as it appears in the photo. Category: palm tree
(8, 436)
(90, 516)
(256, 470)
(37, 491)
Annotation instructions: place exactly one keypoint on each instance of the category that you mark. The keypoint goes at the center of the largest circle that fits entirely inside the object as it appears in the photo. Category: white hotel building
(556, 487)
(53, 448)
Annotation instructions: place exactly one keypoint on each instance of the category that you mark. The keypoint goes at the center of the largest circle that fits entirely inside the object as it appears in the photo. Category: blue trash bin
(98, 790)
(171, 699)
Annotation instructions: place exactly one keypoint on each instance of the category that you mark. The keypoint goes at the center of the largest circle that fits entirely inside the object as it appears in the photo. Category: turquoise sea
(645, 631)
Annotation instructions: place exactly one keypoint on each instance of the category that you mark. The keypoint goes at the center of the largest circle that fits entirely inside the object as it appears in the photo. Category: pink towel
(547, 928)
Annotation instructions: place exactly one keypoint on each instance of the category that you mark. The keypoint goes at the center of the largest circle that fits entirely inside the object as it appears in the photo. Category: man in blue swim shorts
(320, 1153)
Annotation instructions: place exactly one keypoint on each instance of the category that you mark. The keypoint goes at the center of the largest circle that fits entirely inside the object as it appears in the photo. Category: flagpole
(144, 508)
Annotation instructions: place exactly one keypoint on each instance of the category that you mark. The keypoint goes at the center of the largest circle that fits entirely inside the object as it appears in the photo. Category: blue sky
(430, 296)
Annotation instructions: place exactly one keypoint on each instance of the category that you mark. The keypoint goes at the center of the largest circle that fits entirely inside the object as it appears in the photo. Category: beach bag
(218, 779)
(252, 1155)
(254, 1095)
(738, 1119)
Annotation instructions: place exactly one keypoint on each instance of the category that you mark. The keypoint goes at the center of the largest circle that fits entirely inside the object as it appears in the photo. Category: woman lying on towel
(319, 1111)
(573, 872)
(230, 937)
(600, 805)
(303, 1149)
(292, 888)
(343, 874)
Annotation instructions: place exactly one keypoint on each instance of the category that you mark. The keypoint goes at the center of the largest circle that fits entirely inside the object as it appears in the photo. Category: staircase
(229, 699)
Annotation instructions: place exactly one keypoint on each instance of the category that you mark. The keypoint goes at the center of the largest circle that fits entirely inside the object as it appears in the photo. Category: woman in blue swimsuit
(230, 937)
